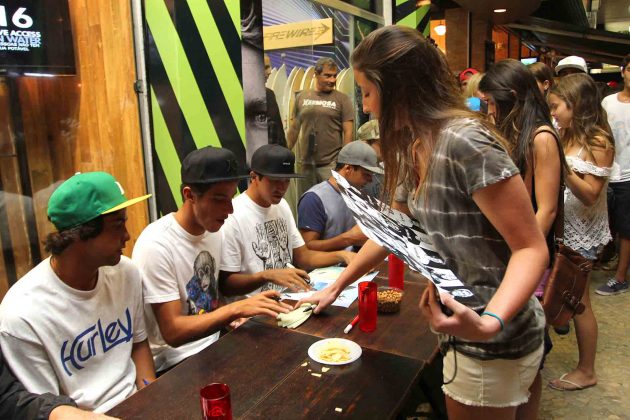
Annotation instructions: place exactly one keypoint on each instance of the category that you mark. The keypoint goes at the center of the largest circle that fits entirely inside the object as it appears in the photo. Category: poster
(405, 238)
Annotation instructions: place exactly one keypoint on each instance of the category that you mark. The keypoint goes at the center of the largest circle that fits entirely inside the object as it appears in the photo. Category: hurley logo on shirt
(94, 339)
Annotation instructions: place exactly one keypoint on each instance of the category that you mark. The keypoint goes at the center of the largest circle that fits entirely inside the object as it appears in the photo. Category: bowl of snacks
(388, 299)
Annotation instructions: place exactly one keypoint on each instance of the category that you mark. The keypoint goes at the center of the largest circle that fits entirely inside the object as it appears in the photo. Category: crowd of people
(88, 326)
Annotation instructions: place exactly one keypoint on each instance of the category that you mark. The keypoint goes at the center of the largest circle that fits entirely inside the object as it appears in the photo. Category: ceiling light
(440, 30)
(500, 10)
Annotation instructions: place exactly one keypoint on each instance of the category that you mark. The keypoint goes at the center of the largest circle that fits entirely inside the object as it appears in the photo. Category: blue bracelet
(495, 316)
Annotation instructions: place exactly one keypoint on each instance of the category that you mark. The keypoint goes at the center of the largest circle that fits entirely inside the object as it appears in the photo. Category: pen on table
(351, 324)
(145, 382)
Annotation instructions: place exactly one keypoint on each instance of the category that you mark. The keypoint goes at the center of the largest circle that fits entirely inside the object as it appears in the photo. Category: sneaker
(613, 287)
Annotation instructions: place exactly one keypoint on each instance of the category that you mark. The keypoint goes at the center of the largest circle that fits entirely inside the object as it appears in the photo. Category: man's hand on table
(294, 279)
(265, 303)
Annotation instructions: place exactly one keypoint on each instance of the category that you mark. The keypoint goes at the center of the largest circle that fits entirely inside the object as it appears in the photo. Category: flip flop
(574, 386)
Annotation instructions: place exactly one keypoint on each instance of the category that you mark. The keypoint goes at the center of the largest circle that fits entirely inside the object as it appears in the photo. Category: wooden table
(271, 376)
(405, 333)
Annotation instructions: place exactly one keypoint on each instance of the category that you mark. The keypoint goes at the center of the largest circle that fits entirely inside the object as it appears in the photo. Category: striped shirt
(468, 159)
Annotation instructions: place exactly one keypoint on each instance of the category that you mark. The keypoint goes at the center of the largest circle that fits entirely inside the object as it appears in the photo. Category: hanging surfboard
(308, 77)
(271, 78)
(290, 95)
(278, 85)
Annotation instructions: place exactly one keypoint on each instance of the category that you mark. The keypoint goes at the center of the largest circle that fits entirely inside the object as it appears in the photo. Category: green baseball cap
(84, 197)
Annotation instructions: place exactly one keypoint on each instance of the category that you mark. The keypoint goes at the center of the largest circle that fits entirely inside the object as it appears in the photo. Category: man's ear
(187, 193)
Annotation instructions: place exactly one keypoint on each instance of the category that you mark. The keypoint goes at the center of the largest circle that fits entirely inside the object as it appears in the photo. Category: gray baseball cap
(359, 153)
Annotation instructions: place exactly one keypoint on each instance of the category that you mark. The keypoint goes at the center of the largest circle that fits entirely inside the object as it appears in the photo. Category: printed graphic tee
(321, 116)
(177, 266)
(71, 342)
(259, 238)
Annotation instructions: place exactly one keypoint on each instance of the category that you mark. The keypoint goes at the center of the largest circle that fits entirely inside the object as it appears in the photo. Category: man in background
(322, 125)
(325, 221)
(570, 65)
(617, 108)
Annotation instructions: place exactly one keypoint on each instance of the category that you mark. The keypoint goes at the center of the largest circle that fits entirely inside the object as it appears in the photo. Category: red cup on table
(396, 270)
(367, 306)
(215, 402)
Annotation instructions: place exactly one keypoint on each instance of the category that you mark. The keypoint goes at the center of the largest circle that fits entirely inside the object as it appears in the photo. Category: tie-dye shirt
(467, 159)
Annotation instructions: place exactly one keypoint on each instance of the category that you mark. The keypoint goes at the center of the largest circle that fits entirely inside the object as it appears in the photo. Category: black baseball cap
(210, 164)
(274, 161)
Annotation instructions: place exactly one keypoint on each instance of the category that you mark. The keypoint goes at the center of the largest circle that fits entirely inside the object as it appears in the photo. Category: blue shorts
(591, 253)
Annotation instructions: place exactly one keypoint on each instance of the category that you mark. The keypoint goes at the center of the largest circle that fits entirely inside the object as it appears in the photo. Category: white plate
(355, 350)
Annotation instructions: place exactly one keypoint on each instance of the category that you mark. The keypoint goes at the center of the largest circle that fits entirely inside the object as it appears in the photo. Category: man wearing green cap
(74, 324)
(180, 255)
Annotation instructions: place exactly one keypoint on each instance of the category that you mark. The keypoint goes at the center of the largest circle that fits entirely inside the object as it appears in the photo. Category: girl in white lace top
(589, 149)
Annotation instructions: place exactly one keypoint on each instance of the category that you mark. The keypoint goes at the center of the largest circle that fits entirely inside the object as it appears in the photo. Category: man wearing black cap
(179, 256)
(261, 239)
(325, 221)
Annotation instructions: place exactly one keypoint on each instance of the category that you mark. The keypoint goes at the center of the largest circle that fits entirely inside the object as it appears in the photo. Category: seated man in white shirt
(74, 324)
(325, 221)
(179, 256)
(261, 238)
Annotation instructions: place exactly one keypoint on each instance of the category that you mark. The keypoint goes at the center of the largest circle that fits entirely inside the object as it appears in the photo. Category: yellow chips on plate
(334, 351)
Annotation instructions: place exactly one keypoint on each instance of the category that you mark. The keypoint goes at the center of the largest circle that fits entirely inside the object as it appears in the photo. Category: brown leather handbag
(566, 284)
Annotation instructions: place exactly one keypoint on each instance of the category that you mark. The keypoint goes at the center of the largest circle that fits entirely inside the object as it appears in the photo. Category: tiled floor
(609, 399)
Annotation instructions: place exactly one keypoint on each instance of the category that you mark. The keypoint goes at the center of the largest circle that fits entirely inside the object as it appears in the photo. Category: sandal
(560, 384)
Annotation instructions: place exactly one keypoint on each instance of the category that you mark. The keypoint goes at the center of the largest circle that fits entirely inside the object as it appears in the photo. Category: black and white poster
(405, 238)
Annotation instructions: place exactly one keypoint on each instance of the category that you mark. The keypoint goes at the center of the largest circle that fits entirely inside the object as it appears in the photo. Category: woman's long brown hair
(418, 94)
(589, 125)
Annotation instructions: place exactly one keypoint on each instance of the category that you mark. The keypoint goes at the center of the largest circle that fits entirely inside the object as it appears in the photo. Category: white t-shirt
(259, 238)
(619, 120)
(71, 342)
(176, 265)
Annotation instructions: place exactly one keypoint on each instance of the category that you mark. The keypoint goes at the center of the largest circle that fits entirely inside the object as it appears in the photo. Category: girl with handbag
(589, 149)
(453, 171)
(522, 115)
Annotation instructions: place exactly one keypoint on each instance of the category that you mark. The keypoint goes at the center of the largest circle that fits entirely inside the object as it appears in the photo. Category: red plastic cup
(396, 270)
(367, 306)
(215, 402)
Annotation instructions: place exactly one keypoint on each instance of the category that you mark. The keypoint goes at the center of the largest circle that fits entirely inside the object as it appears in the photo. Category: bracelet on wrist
(495, 316)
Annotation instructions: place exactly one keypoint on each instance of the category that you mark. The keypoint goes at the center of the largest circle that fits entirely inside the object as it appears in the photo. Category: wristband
(495, 316)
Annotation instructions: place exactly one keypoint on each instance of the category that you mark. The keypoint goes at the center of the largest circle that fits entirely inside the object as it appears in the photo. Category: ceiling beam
(579, 35)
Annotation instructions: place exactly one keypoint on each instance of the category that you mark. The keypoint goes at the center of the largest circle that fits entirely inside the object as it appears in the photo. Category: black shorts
(619, 207)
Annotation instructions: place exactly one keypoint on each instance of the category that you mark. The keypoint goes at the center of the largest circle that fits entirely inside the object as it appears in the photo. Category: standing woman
(523, 117)
(589, 150)
(462, 186)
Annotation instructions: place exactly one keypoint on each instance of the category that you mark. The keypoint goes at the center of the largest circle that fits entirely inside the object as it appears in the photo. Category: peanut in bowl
(388, 299)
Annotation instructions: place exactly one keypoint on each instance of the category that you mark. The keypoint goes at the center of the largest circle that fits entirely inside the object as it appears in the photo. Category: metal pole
(388, 14)
(142, 87)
